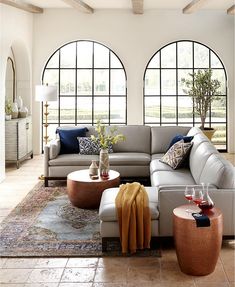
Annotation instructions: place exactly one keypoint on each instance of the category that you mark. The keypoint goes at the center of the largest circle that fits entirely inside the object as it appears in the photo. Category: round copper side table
(197, 248)
(85, 192)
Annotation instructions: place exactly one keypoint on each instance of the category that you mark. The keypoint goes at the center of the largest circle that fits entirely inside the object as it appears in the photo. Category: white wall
(135, 38)
(16, 32)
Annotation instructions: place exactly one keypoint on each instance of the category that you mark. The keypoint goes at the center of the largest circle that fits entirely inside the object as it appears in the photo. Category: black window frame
(176, 68)
(109, 95)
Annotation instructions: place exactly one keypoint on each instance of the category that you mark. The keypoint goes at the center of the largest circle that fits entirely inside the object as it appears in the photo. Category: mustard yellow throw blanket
(134, 217)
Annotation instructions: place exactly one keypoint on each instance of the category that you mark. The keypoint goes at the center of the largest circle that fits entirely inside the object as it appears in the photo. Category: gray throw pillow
(177, 154)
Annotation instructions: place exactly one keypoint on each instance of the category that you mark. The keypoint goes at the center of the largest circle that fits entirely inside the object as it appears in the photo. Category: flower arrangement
(105, 139)
(8, 107)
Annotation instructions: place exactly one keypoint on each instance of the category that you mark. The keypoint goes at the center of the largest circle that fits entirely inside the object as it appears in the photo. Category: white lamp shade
(44, 93)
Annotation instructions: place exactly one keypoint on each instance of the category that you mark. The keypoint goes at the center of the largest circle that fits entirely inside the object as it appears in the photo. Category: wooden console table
(18, 140)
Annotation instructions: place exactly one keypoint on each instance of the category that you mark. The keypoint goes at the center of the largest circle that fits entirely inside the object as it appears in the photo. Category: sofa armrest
(46, 160)
(168, 199)
(51, 150)
(54, 148)
(224, 199)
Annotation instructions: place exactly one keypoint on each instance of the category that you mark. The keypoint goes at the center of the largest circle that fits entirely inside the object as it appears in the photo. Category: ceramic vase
(15, 111)
(104, 164)
(19, 102)
(93, 169)
(7, 117)
(23, 112)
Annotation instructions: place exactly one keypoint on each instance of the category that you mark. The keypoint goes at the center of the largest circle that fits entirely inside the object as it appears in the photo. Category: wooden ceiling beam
(138, 6)
(231, 10)
(80, 6)
(23, 6)
(194, 6)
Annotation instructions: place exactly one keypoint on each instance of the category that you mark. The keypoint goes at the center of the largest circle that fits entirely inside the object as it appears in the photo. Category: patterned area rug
(45, 224)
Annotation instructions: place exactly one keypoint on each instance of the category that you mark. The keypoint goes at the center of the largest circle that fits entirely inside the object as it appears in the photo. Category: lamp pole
(46, 113)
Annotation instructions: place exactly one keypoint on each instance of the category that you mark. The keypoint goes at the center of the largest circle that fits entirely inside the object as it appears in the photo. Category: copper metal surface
(84, 192)
(197, 248)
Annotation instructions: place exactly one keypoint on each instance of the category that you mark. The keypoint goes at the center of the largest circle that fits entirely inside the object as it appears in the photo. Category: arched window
(91, 83)
(165, 102)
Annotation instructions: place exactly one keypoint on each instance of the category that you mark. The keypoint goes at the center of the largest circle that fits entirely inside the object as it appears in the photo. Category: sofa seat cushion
(129, 158)
(73, 160)
(107, 210)
(157, 156)
(157, 165)
(177, 177)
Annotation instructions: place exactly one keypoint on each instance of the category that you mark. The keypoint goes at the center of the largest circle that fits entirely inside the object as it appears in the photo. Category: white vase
(23, 112)
(19, 102)
(104, 164)
(15, 111)
(7, 117)
(93, 169)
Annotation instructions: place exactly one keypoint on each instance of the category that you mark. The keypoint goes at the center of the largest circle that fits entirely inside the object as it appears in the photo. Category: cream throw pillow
(176, 155)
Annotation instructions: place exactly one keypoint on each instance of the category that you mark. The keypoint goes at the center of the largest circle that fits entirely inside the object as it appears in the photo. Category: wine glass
(188, 193)
(197, 196)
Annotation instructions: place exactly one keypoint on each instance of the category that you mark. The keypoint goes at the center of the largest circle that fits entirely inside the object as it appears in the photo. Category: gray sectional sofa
(138, 156)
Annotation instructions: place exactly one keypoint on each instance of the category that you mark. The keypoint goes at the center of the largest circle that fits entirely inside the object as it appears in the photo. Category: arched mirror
(10, 80)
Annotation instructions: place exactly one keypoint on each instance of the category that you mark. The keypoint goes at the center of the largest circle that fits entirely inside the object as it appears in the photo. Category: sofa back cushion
(137, 139)
(161, 137)
(218, 171)
(201, 150)
(193, 131)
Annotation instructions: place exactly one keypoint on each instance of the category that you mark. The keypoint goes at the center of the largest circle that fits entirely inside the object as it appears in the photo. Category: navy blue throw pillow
(177, 138)
(68, 139)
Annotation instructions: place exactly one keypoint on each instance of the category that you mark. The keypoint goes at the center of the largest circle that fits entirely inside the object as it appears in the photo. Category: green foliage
(203, 90)
(8, 107)
(104, 138)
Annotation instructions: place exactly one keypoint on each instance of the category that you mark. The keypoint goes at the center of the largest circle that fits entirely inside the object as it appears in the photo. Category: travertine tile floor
(98, 272)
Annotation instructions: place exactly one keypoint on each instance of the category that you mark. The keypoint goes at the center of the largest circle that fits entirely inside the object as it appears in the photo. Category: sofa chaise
(139, 155)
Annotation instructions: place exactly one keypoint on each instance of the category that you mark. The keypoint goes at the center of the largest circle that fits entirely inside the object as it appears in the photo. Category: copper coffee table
(85, 192)
(197, 248)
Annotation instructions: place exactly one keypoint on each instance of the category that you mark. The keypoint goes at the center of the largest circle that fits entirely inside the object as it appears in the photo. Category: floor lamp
(45, 94)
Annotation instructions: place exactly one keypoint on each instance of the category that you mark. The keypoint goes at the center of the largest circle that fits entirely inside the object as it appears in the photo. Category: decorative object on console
(68, 139)
(105, 139)
(176, 155)
(19, 102)
(45, 93)
(93, 169)
(202, 89)
(23, 112)
(8, 110)
(15, 111)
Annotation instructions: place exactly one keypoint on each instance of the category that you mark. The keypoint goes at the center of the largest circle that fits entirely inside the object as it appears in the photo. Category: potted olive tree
(203, 90)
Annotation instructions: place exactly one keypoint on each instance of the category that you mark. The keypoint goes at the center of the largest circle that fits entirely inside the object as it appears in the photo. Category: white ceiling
(126, 4)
